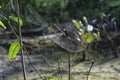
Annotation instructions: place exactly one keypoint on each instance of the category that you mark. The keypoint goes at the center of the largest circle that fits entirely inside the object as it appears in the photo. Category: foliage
(15, 46)
(50, 77)
(50, 9)
(85, 31)
(64, 10)
(76, 23)
(13, 50)
(16, 20)
(87, 37)
(2, 22)
(93, 8)
(2, 25)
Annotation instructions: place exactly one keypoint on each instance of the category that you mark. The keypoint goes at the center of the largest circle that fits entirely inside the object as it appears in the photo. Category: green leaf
(13, 50)
(87, 37)
(2, 25)
(16, 20)
(76, 23)
(90, 38)
(85, 21)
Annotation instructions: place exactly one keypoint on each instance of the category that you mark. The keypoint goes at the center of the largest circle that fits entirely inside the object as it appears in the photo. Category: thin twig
(93, 62)
(90, 69)
(42, 77)
(20, 40)
(69, 67)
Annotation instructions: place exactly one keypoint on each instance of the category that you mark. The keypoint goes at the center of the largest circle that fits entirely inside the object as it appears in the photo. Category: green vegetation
(13, 14)
(16, 20)
(65, 10)
(14, 49)
(2, 25)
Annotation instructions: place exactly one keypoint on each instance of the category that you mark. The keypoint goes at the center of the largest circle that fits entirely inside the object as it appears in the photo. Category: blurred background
(65, 10)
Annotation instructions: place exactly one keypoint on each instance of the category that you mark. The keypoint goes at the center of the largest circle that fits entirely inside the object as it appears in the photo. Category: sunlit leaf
(76, 23)
(16, 20)
(13, 50)
(87, 37)
(90, 38)
(2, 25)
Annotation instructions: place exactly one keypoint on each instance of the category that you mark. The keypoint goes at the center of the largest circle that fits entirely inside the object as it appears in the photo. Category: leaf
(13, 50)
(90, 38)
(87, 37)
(85, 21)
(16, 20)
(2, 25)
(76, 23)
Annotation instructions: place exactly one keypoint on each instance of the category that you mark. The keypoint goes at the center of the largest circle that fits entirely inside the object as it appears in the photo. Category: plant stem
(90, 69)
(20, 40)
(69, 65)
(42, 77)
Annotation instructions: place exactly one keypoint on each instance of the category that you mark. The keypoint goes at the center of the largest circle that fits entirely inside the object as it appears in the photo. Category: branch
(20, 40)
